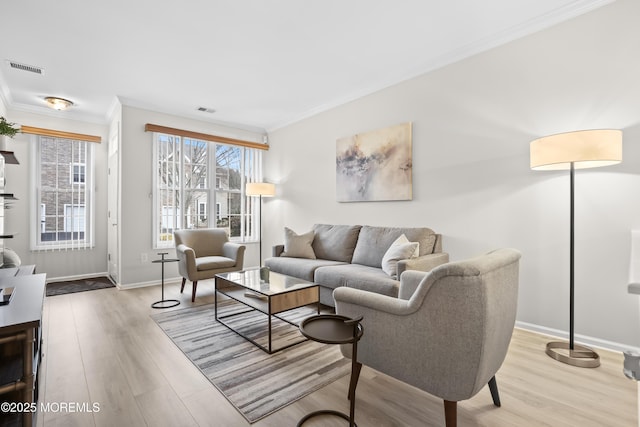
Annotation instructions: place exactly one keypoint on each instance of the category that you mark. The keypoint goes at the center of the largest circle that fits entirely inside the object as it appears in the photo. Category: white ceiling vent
(25, 67)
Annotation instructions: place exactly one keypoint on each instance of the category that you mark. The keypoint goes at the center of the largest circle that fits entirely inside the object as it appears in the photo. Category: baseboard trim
(169, 281)
(581, 339)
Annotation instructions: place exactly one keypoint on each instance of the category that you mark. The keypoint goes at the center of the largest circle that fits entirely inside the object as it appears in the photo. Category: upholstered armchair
(204, 252)
(448, 331)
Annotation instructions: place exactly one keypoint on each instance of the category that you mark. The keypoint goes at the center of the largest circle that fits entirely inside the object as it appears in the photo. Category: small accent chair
(205, 252)
(448, 331)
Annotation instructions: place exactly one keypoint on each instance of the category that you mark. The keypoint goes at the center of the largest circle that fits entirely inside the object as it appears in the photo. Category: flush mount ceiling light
(59, 104)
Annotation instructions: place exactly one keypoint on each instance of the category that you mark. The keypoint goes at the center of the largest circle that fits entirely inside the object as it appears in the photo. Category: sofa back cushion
(335, 242)
(373, 242)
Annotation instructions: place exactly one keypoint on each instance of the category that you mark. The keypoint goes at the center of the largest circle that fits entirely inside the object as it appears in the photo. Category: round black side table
(164, 303)
(336, 329)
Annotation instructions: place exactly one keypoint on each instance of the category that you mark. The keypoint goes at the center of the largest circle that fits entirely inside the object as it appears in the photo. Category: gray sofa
(352, 256)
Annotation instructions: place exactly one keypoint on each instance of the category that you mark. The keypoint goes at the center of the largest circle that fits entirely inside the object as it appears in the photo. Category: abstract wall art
(375, 166)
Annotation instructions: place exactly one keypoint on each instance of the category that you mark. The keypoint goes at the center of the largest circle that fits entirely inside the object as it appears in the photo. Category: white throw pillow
(298, 245)
(400, 249)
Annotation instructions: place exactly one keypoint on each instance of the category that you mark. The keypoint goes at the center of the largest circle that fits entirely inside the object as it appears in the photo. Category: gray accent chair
(448, 331)
(204, 252)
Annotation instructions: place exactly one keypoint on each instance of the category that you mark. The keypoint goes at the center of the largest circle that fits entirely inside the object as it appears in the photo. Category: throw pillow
(298, 245)
(400, 249)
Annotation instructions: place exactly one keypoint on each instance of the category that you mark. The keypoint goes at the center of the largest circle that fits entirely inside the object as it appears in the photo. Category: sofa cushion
(400, 249)
(358, 277)
(298, 245)
(373, 243)
(335, 242)
(301, 268)
(213, 262)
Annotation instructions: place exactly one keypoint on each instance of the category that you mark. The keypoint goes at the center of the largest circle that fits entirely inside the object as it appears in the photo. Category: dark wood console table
(20, 341)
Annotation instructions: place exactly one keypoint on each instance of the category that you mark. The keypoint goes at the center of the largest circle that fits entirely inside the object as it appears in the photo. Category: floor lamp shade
(260, 189)
(585, 149)
(263, 189)
(575, 150)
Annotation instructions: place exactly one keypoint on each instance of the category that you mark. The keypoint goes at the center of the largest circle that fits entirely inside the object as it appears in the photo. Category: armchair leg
(193, 292)
(450, 413)
(493, 387)
(184, 280)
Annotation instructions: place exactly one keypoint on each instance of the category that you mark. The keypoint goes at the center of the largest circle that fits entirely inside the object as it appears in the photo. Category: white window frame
(38, 206)
(248, 210)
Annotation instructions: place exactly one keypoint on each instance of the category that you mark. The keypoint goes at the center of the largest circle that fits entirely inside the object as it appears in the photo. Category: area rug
(256, 383)
(72, 286)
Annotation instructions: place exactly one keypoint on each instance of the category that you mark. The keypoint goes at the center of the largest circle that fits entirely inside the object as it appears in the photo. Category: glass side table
(336, 329)
(164, 303)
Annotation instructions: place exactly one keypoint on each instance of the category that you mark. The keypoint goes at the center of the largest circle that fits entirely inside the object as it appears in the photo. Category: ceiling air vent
(25, 67)
(206, 110)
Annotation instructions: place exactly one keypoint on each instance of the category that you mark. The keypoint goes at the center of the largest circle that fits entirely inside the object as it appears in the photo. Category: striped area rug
(256, 383)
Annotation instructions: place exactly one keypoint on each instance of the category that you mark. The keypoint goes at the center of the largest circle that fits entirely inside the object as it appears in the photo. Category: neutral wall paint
(56, 264)
(472, 124)
(136, 198)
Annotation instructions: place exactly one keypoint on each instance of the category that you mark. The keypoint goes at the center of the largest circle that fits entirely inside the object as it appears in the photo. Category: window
(78, 173)
(64, 195)
(202, 211)
(194, 177)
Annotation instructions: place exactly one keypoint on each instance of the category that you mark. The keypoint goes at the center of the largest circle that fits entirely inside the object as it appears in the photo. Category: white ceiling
(259, 63)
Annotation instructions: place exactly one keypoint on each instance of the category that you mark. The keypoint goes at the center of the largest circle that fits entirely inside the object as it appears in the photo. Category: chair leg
(450, 413)
(193, 292)
(184, 280)
(493, 387)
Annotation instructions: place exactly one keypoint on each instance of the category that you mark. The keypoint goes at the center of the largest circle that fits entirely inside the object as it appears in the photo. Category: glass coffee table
(266, 292)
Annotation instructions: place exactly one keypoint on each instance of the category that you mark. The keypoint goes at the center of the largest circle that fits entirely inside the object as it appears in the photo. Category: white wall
(56, 264)
(472, 124)
(136, 199)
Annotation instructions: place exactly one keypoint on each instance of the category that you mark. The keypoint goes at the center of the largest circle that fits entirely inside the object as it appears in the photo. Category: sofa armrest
(277, 250)
(234, 251)
(422, 263)
(392, 314)
(409, 281)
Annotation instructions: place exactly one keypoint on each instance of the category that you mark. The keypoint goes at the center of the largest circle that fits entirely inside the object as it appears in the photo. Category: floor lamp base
(580, 356)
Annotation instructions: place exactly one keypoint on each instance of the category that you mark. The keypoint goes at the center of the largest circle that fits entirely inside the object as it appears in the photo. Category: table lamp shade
(585, 149)
(263, 189)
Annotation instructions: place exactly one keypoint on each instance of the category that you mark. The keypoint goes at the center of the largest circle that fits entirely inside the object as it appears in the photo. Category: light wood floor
(102, 347)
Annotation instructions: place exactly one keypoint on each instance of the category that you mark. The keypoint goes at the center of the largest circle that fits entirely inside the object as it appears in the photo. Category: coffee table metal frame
(296, 294)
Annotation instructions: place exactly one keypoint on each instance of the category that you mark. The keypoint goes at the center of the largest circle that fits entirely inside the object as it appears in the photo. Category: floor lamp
(260, 189)
(575, 150)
